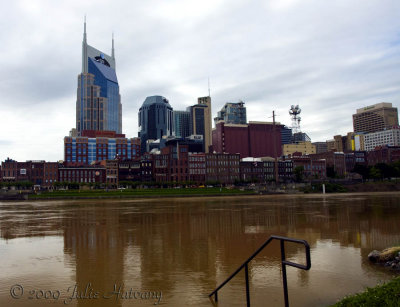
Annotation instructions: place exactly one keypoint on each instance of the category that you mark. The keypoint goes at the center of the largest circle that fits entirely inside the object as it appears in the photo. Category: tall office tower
(232, 113)
(300, 137)
(200, 117)
(374, 118)
(286, 135)
(182, 123)
(98, 104)
(155, 120)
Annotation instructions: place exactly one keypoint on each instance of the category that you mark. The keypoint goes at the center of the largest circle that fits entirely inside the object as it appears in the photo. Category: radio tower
(296, 119)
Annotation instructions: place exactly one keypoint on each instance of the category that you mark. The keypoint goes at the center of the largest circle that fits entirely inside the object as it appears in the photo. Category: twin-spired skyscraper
(98, 104)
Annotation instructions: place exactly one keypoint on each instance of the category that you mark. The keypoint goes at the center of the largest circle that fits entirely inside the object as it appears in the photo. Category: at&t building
(98, 104)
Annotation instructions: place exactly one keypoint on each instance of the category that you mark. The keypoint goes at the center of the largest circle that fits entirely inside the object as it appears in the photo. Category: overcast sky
(330, 57)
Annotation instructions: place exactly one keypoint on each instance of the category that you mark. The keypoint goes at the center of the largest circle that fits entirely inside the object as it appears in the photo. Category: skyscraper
(98, 104)
(200, 117)
(155, 120)
(375, 118)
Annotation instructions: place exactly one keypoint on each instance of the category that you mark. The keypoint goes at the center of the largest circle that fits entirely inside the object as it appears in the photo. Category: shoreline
(201, 196)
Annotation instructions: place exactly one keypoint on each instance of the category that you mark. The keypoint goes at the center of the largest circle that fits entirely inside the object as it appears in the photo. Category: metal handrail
(284, 263)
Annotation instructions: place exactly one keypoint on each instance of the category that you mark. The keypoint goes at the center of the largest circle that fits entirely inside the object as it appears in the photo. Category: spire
(112, 48)
(84, 30)
(84, 50)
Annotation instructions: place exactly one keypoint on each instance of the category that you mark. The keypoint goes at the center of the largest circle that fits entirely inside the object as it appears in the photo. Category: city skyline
(268, 54)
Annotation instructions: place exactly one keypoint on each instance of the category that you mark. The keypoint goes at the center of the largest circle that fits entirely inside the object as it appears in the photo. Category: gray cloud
(331, 58)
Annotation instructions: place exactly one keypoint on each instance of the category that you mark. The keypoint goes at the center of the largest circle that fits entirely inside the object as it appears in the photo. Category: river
(174, 252)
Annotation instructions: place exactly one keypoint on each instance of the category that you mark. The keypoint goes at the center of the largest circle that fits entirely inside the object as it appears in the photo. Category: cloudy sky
(330, 57)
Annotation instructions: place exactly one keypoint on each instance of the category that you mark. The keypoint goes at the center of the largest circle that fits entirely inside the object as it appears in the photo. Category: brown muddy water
(174, 252)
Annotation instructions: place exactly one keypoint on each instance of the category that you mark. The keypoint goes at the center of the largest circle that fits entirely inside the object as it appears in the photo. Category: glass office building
(98, 105)
(232, 113)
(155, 120)
(182, 123)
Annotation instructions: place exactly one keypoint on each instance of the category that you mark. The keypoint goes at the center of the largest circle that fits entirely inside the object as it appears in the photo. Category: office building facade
(300, 137)
(98, 104)
(200, 118)
(232, 113)
(375, 118)
(182, 124)
(86, 150)
(155, 120)
(286, 135)
(382, 138)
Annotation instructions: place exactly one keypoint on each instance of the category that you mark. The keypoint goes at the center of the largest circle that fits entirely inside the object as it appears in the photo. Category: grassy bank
(383, 295)
(133, 193)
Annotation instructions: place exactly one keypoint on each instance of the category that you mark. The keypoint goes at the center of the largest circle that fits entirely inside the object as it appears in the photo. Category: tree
(298, 173)
(375, 173)
(363, 170)
(330, 172)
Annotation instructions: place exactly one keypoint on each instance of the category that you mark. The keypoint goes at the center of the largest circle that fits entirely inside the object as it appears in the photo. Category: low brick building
(82, 174)
(224, 168)
(383, 154)
(197, 167)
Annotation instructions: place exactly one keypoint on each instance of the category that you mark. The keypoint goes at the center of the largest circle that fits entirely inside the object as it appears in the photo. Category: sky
(329, 57)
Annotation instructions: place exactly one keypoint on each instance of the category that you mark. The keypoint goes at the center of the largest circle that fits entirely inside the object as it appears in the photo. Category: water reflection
(186, 247)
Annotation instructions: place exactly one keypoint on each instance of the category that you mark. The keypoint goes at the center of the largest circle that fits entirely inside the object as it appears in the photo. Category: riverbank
(339, 186)
(387, 294)
(138, 193)
(379, 186)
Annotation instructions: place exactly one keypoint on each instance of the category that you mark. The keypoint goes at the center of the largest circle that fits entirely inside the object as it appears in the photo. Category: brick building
(353, 158)
(38, 172)
(313, 167)
(255, 139)
(223, 168)
(383, 154)
(82, 174)
(197, 167)
(334, 160)
(252, 171)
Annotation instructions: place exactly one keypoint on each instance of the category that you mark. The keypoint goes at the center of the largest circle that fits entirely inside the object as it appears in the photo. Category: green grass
(132, 193)
(383, 295)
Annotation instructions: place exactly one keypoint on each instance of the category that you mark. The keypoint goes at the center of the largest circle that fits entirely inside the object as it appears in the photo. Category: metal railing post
(246, 272)
(284, 277)
(284, 263)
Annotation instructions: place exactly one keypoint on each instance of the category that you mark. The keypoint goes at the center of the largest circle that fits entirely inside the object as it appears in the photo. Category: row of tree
(379, 171)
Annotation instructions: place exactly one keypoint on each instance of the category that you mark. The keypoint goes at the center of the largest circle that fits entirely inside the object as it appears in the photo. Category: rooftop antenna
(294, 114)
(209, 92)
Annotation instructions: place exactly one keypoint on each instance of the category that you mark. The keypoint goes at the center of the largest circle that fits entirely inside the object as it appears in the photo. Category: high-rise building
(382, 138)
(286, 135)
(182, 124)
(200, 117)
(232, 113)
(155, 120)
(98, 104)
(375, 118)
